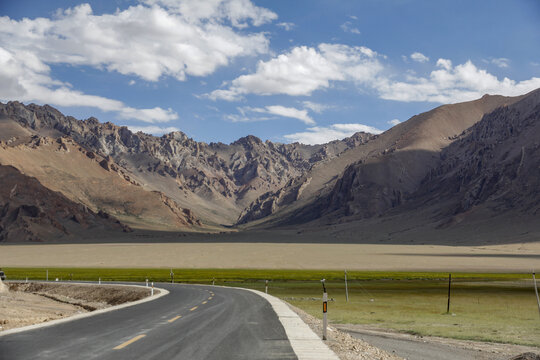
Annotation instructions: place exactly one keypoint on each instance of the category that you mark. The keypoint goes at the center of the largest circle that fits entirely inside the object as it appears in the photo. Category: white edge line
(162, 292)
(304, 342)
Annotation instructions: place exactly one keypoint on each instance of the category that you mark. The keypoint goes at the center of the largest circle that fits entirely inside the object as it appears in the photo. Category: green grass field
(485, 307)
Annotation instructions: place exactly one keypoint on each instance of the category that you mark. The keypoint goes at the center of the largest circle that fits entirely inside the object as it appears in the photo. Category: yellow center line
(193, 308)
(121, 346)
(174, 318)
(204, 302)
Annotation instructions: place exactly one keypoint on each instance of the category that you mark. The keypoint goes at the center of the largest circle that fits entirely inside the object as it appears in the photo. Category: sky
(310, 71)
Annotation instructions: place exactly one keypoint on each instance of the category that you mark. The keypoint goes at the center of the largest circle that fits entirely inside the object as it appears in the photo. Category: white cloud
(288, 26)
(501, 62)
(304, 70)
(347, 26)
(315, 107)
(157, 114)
(25, 78)
(450, 84)
(181, 38)
(322, 135)
(238, 12)
(419, 57)
(394, 122)
(152, 129)
(289, 112)
(246, 114)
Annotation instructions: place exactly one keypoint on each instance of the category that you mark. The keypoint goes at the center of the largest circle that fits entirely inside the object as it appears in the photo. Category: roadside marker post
(146, 282)
(325, 309)
(266, 287)
(536, 292)
(449, 283)
(152, 293)
(27, 279)
(346, 288)
(99, 281)
(213, 281)
(172, 277)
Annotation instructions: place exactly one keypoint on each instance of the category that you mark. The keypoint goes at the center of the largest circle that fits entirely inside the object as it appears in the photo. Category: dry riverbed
(23, 304)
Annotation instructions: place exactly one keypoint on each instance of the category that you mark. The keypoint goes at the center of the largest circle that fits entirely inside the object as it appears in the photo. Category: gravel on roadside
(344, 345)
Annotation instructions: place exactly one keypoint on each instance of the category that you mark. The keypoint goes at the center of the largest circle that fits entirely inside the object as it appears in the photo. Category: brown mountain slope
(485, 189)
(216, 181)
(375, 176)
(95, 182)
(31, 212)
(495, 165)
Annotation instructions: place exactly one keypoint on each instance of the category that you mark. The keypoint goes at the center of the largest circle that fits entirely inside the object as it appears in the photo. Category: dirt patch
(483, 350)
(33, 303)
(344, 345)
(248, 255)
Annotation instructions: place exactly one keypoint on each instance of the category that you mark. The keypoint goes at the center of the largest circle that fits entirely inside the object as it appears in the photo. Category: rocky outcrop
(495, 163)
(378, 175)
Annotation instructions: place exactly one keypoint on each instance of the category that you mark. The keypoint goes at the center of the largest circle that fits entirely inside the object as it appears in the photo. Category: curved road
(192, 322)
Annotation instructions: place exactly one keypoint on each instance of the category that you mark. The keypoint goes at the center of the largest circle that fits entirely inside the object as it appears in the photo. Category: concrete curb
(305, 343)
(162, 292)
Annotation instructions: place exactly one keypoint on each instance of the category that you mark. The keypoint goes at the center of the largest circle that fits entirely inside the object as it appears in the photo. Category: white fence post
(346, 288)
(536, 291)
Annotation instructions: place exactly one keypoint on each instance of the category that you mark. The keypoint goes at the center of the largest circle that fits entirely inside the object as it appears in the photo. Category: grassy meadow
(484, 307)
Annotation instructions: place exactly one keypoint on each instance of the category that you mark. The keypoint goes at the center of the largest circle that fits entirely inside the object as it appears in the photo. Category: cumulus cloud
(152, 129)
(247, 114)
(324, 134)
(394, 122)
(168, 38)
(450, 84)
(304, 70)
(24, 77)
(419, 57)
(238, 12)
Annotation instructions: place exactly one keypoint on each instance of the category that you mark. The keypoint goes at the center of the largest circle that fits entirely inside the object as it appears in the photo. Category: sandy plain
(517, 257)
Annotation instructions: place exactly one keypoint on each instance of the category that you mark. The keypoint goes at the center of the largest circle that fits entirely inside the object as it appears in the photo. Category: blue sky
(308, 71)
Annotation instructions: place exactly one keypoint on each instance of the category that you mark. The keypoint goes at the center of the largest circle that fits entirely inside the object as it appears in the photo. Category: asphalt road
(192, 322)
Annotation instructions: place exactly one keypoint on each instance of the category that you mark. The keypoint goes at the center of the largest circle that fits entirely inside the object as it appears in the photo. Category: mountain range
(457, 171)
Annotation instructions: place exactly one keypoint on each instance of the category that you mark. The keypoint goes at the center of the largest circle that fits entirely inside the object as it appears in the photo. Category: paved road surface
(192, 322)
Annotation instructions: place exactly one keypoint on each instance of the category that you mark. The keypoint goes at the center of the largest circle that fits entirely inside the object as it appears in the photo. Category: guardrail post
(325, 309)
